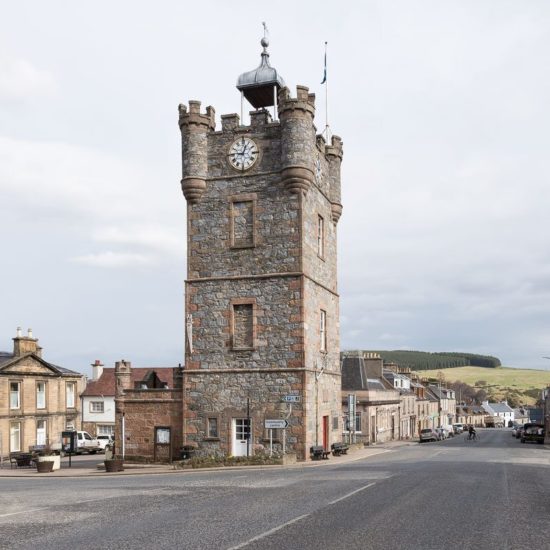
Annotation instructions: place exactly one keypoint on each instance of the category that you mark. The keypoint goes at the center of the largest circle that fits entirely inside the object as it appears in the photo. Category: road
(490, 494)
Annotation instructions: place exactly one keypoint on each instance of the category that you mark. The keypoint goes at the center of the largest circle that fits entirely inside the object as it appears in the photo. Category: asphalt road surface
(489, 494)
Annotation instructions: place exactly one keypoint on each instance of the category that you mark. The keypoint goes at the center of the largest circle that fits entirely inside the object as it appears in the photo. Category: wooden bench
(317, 452)
(339, 449)
(21, 460)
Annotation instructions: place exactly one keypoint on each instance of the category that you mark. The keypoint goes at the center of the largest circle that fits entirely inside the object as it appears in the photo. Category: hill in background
(518, 386)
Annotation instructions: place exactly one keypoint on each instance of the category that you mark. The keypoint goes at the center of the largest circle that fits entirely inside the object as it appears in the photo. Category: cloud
(21, 80)
(114, 260)
(102, 198)
(160, 238)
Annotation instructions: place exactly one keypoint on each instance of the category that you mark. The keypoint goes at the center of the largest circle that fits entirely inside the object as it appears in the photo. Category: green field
(498, 381)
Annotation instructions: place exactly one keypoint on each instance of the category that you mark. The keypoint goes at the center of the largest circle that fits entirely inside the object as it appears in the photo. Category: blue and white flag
(325, 72)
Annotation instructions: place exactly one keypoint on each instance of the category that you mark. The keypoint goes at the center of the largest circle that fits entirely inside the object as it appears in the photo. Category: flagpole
(326, 98)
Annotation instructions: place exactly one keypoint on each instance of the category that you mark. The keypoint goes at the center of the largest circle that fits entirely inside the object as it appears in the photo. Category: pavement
(98, 470)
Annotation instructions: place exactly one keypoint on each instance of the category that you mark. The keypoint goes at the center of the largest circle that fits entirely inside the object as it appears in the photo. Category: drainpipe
(123, 437)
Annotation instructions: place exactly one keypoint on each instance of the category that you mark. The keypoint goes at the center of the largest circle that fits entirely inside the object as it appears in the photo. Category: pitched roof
(105, 384)
(11, 359)
(375, 384)
(5, 356)
(501, 408)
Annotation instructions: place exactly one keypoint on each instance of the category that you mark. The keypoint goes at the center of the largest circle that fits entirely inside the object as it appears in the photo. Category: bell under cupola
(261, 86)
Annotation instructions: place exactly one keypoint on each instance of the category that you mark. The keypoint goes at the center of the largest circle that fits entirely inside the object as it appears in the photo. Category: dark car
(533, 433)
(519, 431)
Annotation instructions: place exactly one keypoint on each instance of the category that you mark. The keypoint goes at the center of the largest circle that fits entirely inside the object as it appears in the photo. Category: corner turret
(297, 139)
(334, 153)
(194, 128)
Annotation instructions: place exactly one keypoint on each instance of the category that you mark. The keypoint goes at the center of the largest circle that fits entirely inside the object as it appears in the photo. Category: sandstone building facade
(262, 305)
(38, 400)
(148, 411)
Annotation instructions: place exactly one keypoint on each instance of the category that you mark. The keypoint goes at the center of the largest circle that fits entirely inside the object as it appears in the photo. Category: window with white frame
(15, 395)
(323, 330)
(41, 432)
(97, 406)
(105, 429)
(69, 394)
(15, 436)
(41, 395)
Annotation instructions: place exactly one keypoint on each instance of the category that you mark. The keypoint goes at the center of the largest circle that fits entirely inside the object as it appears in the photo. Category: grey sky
(443, 109)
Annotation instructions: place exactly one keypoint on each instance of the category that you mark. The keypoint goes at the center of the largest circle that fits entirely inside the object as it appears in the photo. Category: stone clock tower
(261, 298)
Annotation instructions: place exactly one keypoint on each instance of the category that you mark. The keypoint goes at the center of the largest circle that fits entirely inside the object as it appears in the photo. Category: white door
(241, 431)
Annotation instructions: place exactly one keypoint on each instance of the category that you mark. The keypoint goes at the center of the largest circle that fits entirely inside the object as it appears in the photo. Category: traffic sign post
(277, 424)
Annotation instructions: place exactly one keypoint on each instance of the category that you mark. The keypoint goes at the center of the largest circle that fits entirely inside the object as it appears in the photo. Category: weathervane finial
(265, 42)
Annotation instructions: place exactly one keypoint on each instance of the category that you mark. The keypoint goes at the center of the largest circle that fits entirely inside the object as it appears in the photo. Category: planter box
(44, 466)
(55, 459)
(114, 465)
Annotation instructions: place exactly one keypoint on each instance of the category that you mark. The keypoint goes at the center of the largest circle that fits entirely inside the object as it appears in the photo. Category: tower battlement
(304, 101)
(193, 116)
(335, 148)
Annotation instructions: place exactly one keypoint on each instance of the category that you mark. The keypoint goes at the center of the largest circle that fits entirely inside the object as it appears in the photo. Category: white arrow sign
(276, 424)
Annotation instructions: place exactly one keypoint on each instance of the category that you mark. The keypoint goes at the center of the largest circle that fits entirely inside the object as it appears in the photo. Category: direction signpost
(275, 424)
(278, 424)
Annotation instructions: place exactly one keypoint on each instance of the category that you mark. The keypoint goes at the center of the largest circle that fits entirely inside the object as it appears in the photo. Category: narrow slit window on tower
(320, 237)
(243, 326)
(323, 330)
(242, 223)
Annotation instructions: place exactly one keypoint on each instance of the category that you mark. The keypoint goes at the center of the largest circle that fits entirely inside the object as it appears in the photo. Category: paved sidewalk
(152, 469)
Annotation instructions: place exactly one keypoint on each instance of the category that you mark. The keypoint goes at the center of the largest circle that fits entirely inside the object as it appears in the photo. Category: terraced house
(38, 400)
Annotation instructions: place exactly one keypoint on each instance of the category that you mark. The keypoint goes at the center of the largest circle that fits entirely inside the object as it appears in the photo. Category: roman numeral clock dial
(243, 153)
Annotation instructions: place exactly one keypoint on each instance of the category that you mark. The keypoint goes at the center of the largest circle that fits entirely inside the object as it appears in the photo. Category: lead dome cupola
(258, 85)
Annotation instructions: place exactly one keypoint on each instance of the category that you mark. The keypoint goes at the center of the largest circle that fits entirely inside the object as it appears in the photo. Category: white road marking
(156, 489)
(352, 493)
(290, 522)
(22, 512)
(267, 533)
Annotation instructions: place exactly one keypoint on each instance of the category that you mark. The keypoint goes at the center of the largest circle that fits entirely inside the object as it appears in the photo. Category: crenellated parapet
(195, 127)
(334, 153)
(297, 139)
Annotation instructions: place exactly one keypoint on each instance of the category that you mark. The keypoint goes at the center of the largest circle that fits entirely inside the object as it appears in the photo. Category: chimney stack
(97, 369)
(25, 344)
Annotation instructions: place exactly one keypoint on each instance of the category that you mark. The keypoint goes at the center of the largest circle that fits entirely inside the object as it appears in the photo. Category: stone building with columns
(261, 295)
(38, 400)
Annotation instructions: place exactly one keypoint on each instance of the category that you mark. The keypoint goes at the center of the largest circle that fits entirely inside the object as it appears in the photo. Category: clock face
(318, 169)
(243, 153)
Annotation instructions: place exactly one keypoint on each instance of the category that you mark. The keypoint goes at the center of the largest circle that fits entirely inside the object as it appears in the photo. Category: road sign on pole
(292, 398)
(278, 423)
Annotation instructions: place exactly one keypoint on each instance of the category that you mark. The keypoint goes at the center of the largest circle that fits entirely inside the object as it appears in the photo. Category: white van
(86, 443)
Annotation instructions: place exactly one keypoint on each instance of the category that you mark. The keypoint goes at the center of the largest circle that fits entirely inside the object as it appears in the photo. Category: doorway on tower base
(240, 437)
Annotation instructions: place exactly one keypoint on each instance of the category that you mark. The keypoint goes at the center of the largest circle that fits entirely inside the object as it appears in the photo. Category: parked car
(442, 432)
(515, 429)
(104, 440)
(533, 433)
(85, 443)
(428, 434)
(519, 431)
(458, 428)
